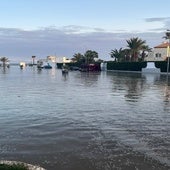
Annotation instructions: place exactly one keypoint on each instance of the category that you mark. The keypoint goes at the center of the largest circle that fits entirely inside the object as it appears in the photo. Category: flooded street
(85, 121)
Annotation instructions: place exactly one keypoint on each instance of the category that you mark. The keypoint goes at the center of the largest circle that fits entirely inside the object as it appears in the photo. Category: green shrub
(162, 65)
(126, 66)
(13, 167)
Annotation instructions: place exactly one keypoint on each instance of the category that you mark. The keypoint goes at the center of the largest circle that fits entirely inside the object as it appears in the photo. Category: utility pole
(168, 55)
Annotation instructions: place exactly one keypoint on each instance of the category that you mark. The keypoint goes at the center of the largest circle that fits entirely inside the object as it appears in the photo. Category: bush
(13, 167)
(126, 66)
(162, 65)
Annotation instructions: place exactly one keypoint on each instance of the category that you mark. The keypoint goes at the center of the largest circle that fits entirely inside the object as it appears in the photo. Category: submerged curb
(30, 167)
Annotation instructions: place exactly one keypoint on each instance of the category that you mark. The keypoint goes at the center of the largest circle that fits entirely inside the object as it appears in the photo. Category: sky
(64, 27)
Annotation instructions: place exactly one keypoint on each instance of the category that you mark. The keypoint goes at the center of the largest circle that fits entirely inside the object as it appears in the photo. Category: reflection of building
(159, 53)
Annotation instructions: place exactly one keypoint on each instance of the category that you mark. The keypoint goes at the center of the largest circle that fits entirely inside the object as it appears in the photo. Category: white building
(57, 59)
(62, 60)
(52, 58)
(159, 52)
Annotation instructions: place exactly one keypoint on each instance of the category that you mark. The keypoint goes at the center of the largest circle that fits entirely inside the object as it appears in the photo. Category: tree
(78, 57)
(119, 55)
(90, 55)
(135, 45)
(127, 54)
(167, 37)
(145, 49)
(4, 61)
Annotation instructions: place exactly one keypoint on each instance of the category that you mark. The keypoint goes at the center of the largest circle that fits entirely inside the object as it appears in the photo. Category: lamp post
(33, 60)
(168, 55)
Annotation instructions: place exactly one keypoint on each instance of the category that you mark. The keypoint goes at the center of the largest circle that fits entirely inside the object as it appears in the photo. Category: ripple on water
(85, 121)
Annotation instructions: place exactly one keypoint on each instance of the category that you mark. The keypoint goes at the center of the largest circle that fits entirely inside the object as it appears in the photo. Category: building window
(158, 55)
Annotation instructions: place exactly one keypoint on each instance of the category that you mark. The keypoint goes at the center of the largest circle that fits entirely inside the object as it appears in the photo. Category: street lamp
(167, 36)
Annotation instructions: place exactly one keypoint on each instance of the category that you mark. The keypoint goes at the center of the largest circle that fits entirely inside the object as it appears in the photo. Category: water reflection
(87, 121)
(88, 78)
(144, 104)
(167, 93)
(132, 83)
(162, 81)
(4, 70)
(135, 85)
(65, 76)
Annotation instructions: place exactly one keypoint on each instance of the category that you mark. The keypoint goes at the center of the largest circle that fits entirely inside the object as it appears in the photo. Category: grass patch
(18, 166)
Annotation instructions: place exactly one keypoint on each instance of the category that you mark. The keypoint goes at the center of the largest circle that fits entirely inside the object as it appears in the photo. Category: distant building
(57, 59)
(159, 52)
(62, 60)
(66, 60)
(52, 58)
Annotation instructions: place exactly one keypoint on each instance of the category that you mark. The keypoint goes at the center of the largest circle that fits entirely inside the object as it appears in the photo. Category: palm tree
(119, 55)
(135, 45)
(145, 49)
(127, 54)
(167, 37)
(4, 61)
(90, 55)
(78, 57)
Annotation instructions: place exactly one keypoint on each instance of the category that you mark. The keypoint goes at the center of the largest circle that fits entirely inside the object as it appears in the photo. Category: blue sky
(65, 27)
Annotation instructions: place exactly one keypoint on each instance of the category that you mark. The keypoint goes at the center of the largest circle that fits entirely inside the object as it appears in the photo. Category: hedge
(126, 66)
(162, 65)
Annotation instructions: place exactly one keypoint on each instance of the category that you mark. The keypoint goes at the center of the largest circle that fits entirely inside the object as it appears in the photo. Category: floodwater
(85, 121)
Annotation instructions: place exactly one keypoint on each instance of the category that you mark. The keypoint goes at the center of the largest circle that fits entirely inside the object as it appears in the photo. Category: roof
(163, 45)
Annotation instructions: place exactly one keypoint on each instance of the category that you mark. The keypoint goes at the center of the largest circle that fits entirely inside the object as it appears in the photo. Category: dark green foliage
(89, 56)
(137, 51)
(13, 167)
(119, 55)
(126, 66)
(135, 45)
(59, 65)
(162, 65)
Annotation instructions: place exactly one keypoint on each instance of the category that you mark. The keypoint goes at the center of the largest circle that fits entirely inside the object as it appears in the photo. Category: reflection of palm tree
(133, 83)
(4, 61)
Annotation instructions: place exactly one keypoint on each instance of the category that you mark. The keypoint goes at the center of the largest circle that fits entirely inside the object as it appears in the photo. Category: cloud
(65, 41)
(165, 21)
(160, 19)
(74, 29)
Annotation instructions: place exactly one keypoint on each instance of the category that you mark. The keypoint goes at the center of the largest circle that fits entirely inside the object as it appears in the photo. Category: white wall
(152, 55)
